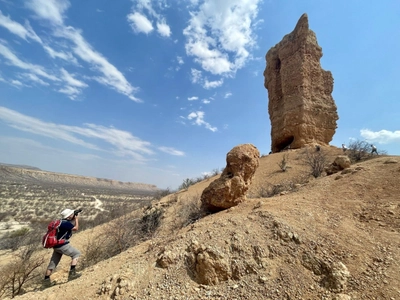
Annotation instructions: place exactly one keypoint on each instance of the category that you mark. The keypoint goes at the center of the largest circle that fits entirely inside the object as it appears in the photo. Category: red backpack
(50, 240)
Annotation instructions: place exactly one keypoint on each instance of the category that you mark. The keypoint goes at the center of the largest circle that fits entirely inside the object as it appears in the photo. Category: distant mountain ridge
(27, 174)
(20, 166)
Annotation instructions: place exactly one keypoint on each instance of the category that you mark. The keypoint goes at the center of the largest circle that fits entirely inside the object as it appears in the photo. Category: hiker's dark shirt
(64, 232)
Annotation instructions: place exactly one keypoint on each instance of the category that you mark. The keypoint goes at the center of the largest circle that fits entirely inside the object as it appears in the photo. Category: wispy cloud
(193, 98)
(122, 143)
(383, 136)
(24, 32)
(227, 95)
(13, 59)
(27, 33)
(219, 34)
(71, 80)
(53, 11)
(198, 118)
(16, 83)
(172, 151)
(33, 78)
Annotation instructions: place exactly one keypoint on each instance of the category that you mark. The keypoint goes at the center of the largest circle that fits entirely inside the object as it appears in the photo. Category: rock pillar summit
(301, 108)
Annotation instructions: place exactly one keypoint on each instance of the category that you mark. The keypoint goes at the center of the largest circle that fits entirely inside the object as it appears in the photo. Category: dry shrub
(190, 211)
(23, 268)
(317, 161)
(269, 190)
(150, 221)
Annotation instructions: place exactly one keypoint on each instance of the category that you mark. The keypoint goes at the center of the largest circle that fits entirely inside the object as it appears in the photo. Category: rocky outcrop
(301, 108)
(230, 189)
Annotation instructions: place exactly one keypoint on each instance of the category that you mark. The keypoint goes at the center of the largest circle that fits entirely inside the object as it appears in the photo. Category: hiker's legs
(74, 261)
(54, 260)
(71, 252)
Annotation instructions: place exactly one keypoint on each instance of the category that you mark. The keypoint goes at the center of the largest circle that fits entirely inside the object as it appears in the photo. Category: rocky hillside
(334, 237)
(9, 174)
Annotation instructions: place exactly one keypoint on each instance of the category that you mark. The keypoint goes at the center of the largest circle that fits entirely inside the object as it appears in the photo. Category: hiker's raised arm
(76, 227)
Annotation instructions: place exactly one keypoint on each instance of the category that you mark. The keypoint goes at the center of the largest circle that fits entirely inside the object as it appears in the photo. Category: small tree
(358, 150)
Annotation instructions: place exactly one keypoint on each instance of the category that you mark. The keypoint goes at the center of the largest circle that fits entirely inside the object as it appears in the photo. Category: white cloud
(52, 10)
(212, 84)
(60, 54)
(219, 34)
(70, 80)
(15, 61)
(24, 32)
(198, 118)
(70, 91)
(34, 78)
(16, 83)
(227, 95)
(140, 23)
(193, 98)
(144, 14)
(383, 136)
(122, 143)
(172, 151)
(180, 60)
(163, 29)
(206, 101)
(196, 76)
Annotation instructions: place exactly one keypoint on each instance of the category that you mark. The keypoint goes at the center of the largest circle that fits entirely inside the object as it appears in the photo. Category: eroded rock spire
(301, 108)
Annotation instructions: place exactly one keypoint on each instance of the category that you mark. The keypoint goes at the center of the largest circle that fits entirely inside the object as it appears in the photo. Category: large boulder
(230, 189)
(340, 163)
(301, 108)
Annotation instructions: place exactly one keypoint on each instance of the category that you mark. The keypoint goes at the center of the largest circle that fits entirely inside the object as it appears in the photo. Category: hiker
(68, 224)
(344, 147)
(374, 150)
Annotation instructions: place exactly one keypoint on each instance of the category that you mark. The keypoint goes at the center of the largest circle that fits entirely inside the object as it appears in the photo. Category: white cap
(66, 213)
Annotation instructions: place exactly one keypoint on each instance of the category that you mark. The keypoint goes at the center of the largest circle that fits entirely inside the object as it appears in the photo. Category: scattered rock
(337, 276)
(391, 161)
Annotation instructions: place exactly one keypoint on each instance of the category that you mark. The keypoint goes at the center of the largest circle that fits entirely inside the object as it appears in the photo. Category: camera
(77, 211)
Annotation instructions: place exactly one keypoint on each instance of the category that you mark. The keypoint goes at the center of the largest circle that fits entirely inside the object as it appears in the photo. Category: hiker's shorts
(58, 253)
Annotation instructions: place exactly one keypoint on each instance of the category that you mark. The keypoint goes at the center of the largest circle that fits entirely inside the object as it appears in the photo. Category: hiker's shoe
(73, 275)
(46, 283)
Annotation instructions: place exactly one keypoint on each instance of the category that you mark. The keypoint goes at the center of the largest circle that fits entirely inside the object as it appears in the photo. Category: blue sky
(156, 91)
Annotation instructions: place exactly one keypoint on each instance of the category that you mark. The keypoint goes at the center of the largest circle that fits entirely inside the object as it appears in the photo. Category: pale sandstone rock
(301, 108)
(340, 163)
(230, 189)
